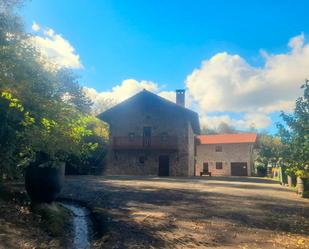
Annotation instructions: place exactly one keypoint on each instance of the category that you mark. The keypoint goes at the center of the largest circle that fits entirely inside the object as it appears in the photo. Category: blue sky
(165, 42)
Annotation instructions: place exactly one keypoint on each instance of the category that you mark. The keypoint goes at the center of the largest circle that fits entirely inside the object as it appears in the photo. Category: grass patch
(55, 219)
(306, 194)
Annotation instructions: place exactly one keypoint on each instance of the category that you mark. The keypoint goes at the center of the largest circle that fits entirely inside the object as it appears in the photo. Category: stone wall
(161, 119)
(191, 151)
(241, 152)
(126, 162)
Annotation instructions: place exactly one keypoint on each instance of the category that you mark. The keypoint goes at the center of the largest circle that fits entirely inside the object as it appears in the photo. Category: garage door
(239, 169)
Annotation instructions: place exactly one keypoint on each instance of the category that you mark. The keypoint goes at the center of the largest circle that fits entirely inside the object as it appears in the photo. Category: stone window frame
(219, 165)
(218, 148)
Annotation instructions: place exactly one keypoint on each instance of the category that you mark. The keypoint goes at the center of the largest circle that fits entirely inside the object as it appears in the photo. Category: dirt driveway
(194, 212)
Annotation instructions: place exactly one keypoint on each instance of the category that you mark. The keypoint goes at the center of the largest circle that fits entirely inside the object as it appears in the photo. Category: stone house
(150, 135)
(225, 154)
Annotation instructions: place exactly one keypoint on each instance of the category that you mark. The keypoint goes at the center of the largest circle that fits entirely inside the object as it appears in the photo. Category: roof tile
(228, 138)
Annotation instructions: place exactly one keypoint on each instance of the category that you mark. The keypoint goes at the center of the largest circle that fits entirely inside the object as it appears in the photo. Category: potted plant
(302, 180)
(291, 178)
(44, 175)
(44, 178)
(51, 144)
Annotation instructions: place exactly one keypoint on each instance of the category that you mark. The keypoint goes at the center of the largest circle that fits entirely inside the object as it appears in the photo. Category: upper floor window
(146, 136)
(219, 165)
(164, 136)
(218, 148)
(147, 131)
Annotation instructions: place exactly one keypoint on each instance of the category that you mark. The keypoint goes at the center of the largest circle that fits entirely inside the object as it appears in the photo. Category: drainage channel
(80, 225)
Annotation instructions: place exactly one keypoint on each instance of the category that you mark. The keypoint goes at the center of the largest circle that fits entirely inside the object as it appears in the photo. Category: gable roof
(148, 98)
(228, 138)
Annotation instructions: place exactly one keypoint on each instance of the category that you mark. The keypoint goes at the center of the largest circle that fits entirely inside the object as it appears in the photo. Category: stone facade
(231, 153)
(172, 134)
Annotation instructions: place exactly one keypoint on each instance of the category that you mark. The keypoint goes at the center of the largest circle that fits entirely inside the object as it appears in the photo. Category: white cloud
(49, 32)
(227, 83)
(257, 120)
(35, 27)
(56, 48)
(127, 88)
(170, 95)
(119, 93)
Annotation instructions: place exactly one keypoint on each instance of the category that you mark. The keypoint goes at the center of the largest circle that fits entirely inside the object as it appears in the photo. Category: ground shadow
(271, 213)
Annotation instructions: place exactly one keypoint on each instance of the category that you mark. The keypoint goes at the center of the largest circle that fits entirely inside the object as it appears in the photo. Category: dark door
(146, 136)
(239, 169)
(164, 165)
(205, 168)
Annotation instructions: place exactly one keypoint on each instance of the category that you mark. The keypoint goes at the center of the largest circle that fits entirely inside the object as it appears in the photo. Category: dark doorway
(239, 169)
(164, 165)
(146, 136)
(205, 168)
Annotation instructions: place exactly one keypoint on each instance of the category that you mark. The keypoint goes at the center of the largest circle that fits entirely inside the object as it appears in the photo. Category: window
(218, 148)
(164, 136)
(147, 132)
(219, 165)
(146, 136)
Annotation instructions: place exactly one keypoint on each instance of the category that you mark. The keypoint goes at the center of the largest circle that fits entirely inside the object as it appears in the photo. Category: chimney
(180, 97)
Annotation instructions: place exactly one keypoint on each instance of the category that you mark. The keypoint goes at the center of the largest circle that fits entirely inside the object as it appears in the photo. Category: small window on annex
(218, 148)
(219, 165)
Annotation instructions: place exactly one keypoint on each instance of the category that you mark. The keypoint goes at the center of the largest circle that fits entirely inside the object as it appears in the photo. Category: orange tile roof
(228, 138)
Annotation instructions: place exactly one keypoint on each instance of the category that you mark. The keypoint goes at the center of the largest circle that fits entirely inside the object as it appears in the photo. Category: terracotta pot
(43, 182)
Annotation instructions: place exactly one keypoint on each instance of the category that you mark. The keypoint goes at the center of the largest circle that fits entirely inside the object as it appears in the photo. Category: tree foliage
(290, 148)
(269, 149)
(295, 135)
(42, 106)
(223, 128)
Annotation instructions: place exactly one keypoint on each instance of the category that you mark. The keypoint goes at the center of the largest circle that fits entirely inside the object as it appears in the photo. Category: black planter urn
(44, 181)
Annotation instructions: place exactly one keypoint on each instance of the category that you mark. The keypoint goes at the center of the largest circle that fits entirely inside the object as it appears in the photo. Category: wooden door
(164, 165)
(239, 169)
(205, 168)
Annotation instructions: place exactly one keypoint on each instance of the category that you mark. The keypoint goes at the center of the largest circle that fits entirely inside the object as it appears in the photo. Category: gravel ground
(142, 212)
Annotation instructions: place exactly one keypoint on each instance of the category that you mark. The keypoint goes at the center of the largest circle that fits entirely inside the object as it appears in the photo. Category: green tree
(42, 107)
(224, 128)
(208, 131)
(295, 135)
(268, 150)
